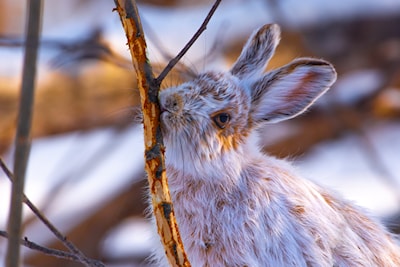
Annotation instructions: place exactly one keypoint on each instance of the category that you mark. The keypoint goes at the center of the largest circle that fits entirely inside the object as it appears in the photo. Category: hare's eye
(221, 119)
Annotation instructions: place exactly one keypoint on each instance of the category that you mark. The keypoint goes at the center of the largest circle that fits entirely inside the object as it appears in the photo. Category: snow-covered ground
(345, 165)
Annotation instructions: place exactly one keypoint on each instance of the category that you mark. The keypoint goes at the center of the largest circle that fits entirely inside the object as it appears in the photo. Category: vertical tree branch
(23, 131)
(154, 148)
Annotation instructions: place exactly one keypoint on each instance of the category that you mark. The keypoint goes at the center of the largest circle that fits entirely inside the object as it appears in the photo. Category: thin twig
(23, 143)
(175, 60)
(6, 170)
(79, 254)
(48, 251)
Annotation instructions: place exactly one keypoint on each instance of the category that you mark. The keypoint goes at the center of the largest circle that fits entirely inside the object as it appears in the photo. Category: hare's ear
(290, 90)
(257, 52)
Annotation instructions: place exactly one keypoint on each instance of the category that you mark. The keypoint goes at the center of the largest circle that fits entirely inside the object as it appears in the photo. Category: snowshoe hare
(236, 206)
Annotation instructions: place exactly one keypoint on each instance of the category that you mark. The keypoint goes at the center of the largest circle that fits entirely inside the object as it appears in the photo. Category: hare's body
(236, 206)
(270, 217)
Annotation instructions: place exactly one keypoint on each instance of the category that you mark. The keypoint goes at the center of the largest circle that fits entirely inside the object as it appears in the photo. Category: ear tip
(329, 73)
(329, 69)
(323, 66)
(257, 51)
(271, 29)
(275, 27)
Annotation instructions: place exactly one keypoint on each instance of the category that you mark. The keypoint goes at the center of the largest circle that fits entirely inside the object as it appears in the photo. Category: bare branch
(48, 251)
(51, 252)
(23, 143)
(202, 28)
(78, 254)
(154, 147)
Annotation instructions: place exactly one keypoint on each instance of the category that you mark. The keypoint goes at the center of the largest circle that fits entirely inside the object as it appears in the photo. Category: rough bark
(154, 148)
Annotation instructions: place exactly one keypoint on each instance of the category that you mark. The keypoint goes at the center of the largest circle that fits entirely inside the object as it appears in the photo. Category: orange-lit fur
(236, 206)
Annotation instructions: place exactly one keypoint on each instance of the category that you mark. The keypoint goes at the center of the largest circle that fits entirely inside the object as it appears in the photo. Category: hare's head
(211, 116)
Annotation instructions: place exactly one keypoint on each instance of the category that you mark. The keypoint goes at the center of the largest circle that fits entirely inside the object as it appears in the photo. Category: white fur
(236, 206)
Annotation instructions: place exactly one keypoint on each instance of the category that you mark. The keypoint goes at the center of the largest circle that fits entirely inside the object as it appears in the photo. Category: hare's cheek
(171, 123)
(227, 143)
(166, 122)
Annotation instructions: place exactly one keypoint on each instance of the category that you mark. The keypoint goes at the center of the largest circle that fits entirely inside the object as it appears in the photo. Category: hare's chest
(213, 227)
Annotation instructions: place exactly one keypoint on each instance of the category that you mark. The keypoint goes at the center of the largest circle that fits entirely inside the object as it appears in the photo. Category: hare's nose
(162, 109)
(173, 102)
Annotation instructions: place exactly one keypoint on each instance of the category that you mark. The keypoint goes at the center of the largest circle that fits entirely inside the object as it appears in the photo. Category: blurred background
(86, 164)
